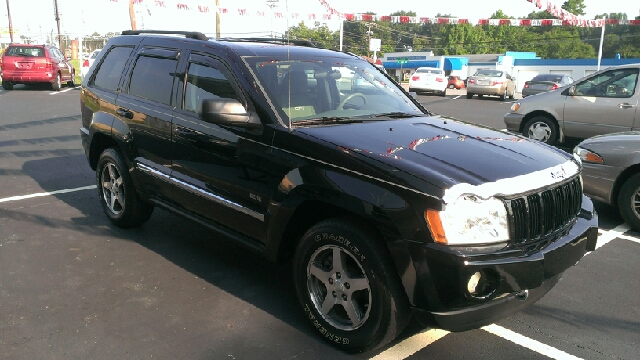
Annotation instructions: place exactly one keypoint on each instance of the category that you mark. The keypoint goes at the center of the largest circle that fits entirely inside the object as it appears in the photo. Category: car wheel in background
(469, 96)
(480, 96)
(503, 96)
(541, 128)
(629, 201)
(118, 197)
(7, 85)
(451, 86)
(72, 82)
(55, 86)
(444, 92)
(348, 287)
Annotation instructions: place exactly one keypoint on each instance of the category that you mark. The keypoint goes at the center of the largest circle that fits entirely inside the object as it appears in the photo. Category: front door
(217, 168)
(604, 103)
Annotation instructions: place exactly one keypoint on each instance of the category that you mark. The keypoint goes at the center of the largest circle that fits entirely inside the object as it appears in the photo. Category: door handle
(124, 113)
(625, 106)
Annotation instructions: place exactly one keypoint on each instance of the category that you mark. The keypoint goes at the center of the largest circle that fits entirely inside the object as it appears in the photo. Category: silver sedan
(611, 172)
(491, 82)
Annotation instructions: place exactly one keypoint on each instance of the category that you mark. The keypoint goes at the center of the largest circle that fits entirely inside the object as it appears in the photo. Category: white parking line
(63, 191)
(61, 91)
(608, 235)
(456, 97)
(411, 345)
(530, 344)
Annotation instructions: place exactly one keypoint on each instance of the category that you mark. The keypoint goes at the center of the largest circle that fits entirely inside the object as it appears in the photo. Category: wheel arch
(547, 115)
(622, 178)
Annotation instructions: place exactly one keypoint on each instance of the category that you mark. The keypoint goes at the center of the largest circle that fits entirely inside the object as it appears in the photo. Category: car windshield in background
(330, 89)
(29, 51)
(429, 71)
(491, 73)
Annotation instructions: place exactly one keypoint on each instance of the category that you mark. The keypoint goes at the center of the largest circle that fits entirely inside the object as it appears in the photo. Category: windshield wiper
(397, 115)
(325, 120)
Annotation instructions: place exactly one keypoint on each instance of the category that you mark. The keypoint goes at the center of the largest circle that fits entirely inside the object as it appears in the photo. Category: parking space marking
(530, 344)
(411, 345)
(63, 191)
(608, 235)
(61, 91)
(456, 97)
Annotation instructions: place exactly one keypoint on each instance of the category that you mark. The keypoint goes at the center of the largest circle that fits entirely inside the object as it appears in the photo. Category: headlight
(469, 220)
(587, 155)
(515, 107)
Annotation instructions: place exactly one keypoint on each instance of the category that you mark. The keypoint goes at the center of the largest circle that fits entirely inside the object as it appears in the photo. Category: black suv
(317, 157)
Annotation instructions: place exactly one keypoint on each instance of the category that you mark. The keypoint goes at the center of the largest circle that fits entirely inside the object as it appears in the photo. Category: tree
(620, 16)
(403, 13)
(500, 15)
(540, 15)
(576, 7)
(319, 34)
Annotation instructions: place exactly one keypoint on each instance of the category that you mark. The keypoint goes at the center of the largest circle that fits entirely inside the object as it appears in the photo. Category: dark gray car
(611, 172)
(545, 82)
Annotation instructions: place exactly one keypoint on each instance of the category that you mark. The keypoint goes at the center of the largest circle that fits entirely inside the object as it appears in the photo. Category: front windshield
(330, 88)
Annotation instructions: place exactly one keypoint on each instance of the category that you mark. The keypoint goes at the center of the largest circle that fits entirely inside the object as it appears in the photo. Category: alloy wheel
(339, 287)
(113, 188)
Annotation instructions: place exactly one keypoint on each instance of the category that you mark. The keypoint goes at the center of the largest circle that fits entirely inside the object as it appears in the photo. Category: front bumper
(519, 277)
(513, 121)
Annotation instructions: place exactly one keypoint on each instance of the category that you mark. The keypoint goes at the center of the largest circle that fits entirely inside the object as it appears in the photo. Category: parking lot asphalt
(72, 286)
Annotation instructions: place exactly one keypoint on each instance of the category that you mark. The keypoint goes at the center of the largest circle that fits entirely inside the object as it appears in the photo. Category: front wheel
(118, 197)
(629, 201)
(541, 128)
(348, 286)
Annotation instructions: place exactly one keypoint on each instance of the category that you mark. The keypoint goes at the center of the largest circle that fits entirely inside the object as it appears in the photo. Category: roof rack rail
(307, 43)
(188, 34)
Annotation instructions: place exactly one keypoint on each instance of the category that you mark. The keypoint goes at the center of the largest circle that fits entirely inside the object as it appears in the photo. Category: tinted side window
(152, 78)
(109, 71)
(206, 82)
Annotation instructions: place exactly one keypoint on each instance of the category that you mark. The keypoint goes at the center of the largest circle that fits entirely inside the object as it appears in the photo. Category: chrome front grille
(537, 215)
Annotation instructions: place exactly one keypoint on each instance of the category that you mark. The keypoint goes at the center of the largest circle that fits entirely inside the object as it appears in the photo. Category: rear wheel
(469, 96)
(444, 92)
(503, 96)
(541, 128)
(118, 197)
(480, 96)
(55, 86)
(348, 286)
(7, 85)
(629, 201)
(451, 86)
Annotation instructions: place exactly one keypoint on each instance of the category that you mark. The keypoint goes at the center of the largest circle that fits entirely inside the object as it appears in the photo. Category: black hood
(442, 151)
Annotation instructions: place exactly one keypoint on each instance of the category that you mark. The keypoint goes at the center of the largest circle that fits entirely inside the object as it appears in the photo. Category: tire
(629, 201)
(377, 309)
(469, 96)
(7, 85)
(118, 197)
(55, 86)
(72, 82)
(503, 96)
(451, 86)
(443, 93)
(541, 128)
(480, 96)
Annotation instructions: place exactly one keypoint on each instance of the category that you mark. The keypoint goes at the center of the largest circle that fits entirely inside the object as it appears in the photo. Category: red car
(33, 64)
(455, 82)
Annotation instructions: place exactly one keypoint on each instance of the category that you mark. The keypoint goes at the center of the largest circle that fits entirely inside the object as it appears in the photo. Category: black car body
(461, 223)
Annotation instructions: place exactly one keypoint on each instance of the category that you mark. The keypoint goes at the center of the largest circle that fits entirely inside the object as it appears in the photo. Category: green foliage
(500, 15)
(576, 7)
(620, 16)
(548, 42)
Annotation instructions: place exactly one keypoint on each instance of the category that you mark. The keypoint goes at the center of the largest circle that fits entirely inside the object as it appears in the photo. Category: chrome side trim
(201, 192)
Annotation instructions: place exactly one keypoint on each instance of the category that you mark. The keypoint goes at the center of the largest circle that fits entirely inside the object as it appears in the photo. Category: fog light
(473, 282)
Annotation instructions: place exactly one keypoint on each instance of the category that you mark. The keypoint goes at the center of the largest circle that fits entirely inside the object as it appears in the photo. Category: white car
(86, 64)
(426, 79)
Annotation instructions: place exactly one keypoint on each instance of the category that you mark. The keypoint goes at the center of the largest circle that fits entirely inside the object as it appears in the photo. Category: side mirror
(229, 112)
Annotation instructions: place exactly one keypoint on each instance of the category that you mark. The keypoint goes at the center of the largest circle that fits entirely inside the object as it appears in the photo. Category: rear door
(145, 106)
(604, 103)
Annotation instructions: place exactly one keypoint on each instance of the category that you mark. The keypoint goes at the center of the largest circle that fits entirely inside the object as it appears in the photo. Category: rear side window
(27, 51)
(108, 74)
(152, 78)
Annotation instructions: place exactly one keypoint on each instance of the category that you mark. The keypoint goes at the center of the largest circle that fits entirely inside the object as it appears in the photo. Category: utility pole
(57, 15)
(272, 4)
(369, 34)
(10, 23)
(132, 16)
(217, 20)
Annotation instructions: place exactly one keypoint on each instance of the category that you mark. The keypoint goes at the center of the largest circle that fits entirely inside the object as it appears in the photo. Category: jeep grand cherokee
(385, 209)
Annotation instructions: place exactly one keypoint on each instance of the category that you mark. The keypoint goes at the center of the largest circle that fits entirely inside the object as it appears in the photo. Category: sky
(35, 17)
